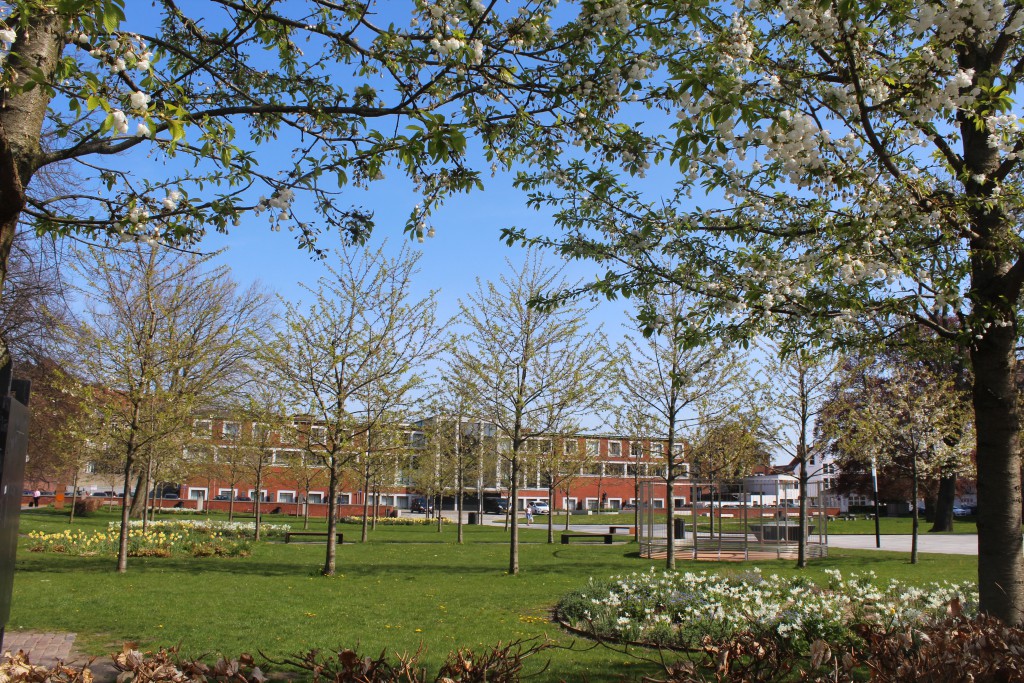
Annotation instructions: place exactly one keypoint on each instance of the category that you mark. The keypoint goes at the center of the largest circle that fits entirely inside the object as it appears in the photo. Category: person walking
(35, 497)
(529, 514)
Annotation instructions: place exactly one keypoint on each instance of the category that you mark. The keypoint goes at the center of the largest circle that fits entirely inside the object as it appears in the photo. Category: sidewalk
(949, 544)
(47, 649)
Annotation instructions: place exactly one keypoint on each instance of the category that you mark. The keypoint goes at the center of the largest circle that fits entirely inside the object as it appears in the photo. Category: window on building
(202, 429)
(614, 449)
(593, 448)
(570, 446)
(261, 433)
(231, 431)
(636, 450)
(318, 435)
(196, 493)
(315, 497)
(657, 450)
(591, 469)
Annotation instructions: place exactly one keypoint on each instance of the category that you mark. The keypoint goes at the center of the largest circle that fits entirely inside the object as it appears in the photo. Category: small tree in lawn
(364, 329)
(636, 423)
(678, 387)
(308, 469)
(161, 336)
(908, 419)
(380, 464)
(727, 447)
(799, 383)
(456, 434)
(533, 369)
(560, 463)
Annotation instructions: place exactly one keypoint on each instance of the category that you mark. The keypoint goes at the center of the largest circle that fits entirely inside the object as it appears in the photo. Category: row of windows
(231, 431)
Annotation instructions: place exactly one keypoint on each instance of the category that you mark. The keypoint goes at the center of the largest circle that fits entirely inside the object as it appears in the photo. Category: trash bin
(679, 525)
(472, 518)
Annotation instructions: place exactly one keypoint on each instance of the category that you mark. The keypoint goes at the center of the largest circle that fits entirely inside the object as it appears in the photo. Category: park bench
(321, 534)
(624, 528)
(607, 537)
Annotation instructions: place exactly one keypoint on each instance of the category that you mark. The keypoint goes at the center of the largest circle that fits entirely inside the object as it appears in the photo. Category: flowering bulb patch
(155, 541)
(208, 526)
(684, 609)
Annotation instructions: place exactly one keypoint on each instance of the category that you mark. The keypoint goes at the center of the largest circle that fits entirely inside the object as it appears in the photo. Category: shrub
(980, 650)
(499, 664)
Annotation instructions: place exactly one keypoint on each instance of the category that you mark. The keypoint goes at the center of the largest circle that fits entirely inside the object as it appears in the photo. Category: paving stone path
(46, 649)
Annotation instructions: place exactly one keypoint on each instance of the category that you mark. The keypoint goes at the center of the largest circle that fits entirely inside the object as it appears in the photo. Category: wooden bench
(625, 529)
(316, 534)
(607, 537)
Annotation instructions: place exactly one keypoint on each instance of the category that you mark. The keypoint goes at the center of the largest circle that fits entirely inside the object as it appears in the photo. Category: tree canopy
(855, 166)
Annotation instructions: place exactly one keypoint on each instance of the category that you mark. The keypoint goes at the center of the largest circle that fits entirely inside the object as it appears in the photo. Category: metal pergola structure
(730, 522)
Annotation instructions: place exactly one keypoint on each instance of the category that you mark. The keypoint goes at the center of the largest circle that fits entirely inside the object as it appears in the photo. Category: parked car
(628, 506)
(222, 496)
(243, 499)
(962, 512)
(496, 506)
(540, 507)
(103, 494)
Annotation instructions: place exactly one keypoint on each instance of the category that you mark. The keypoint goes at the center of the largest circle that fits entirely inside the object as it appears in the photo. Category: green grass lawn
(409, 587)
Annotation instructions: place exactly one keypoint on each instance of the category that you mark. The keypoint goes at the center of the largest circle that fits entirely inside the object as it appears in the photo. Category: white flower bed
(681, 609)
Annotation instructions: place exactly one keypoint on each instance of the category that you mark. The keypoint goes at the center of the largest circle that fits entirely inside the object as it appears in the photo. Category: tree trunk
(364, 533)
(305, 511)
(74, 496)
(460, 485)
(994, 395)
(332, 522)
(916, 516)
(801, 556)
(513, 500)
(258, 500)
(551, 514)
(670, 532)
(943, 519)
(122, 545)
(38, 47)
(137, 510)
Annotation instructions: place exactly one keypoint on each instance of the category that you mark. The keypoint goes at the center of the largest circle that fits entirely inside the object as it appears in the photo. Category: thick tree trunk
(943, 515)
(38, 47)
(1000, 570)
(137, 510)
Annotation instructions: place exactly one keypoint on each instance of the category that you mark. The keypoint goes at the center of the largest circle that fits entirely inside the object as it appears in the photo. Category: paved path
(950, 544)
(47, 649)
